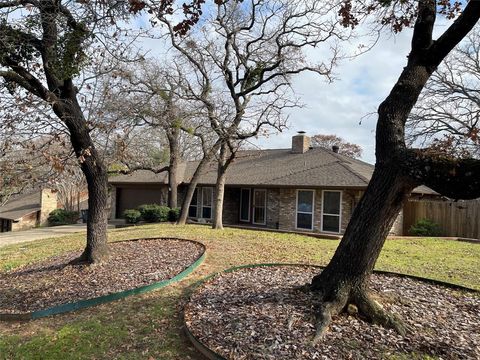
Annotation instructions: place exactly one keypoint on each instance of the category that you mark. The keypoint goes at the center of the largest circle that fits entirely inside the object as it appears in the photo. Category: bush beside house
(62, 217)
(425, 227)
(154, 213)
(174, 214)
(132, 216)
(151, 213)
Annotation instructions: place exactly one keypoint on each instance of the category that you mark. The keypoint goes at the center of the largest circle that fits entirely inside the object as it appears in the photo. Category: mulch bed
(261, 313)
(131, 264)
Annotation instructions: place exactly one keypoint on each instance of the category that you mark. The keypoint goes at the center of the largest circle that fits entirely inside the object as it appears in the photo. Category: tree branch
(456, 32)
(453, 178)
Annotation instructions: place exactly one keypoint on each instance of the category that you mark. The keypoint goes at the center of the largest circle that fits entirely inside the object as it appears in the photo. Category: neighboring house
(28, 210)
(295, 189)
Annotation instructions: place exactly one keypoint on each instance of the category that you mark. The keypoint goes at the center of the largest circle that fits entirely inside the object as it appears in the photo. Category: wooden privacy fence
(456, 218)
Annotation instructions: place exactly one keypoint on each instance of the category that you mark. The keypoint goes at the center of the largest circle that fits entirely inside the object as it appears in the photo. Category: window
(207, 195)
(305, 199)
(192, 210)
(259, 206)
(331, 211)
(245, 205)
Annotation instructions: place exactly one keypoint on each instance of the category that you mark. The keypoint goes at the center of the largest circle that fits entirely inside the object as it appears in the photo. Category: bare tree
(342, 147)
(447, 114)
(71, 188)
(242, 60)
(147, 99)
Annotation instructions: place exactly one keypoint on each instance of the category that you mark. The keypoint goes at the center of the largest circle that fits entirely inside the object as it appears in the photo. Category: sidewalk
(17, 237)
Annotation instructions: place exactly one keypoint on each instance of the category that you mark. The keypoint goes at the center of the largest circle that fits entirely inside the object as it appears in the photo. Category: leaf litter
(265, 313)
(130, 264)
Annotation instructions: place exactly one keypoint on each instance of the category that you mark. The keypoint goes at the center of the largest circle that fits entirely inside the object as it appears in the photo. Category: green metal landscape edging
(110, 297)
(212, 355)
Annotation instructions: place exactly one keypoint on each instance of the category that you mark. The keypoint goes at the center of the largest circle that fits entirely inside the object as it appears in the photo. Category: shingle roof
(20, 206)
(317, 167)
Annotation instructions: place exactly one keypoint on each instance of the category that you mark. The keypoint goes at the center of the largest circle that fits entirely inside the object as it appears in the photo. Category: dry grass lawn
(150, 327)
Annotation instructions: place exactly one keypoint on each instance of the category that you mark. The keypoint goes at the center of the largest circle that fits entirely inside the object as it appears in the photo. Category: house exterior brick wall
(288, 206)
(286, 216)
(273, 208)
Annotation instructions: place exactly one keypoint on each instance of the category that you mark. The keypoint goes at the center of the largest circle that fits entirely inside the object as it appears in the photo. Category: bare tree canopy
(447, 115)
(242, 57)
(342, 147)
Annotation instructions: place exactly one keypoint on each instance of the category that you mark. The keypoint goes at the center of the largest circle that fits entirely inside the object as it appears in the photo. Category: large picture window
(331, 211)
(207, 200)
(201, 204)
(245, 205)
(259, 206)
(305, 200)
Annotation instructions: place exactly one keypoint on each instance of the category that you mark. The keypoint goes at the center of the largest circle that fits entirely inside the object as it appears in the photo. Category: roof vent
(335, 149)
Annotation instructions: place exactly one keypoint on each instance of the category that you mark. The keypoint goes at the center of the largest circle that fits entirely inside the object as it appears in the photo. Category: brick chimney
(48, 203)
(300, 143)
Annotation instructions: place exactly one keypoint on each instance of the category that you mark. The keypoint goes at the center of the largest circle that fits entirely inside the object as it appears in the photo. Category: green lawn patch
(149, 326)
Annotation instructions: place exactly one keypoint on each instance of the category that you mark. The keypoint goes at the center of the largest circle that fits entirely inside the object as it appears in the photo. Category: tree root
(374, 312)
(87, 258)
(368, 308)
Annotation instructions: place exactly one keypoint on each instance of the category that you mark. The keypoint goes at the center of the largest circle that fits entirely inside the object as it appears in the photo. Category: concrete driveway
(39, 233)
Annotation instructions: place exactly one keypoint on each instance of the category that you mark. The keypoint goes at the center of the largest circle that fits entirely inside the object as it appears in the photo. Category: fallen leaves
(262, 313)
(131, 264)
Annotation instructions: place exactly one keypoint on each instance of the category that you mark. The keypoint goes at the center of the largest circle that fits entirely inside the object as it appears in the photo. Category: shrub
(154, 213)
(174, 214)
(132, 216)
(62, 217)
(425, 227)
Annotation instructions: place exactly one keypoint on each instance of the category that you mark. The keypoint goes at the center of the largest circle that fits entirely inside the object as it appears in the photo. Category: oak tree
(398, 169)
(43, 46)
(242, 59)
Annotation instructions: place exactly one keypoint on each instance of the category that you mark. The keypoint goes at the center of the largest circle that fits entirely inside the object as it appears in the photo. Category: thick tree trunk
(220, 189)
(219, 196)
(397, 171)
(225, 159)
(193, 183)
(344, 280)
(173, 138)
(97, 248)
(95, 173)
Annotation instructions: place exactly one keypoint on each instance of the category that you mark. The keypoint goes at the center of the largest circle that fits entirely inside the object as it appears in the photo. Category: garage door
(128, 198)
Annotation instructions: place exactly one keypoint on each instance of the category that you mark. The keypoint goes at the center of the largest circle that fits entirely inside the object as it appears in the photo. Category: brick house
(27, 210)
(297, 189)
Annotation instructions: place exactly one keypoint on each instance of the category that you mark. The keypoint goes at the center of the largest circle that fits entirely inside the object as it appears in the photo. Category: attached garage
(129, 197)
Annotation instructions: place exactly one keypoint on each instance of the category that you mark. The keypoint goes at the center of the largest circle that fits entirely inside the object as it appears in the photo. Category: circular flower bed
(264, 313)
(134, 264)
